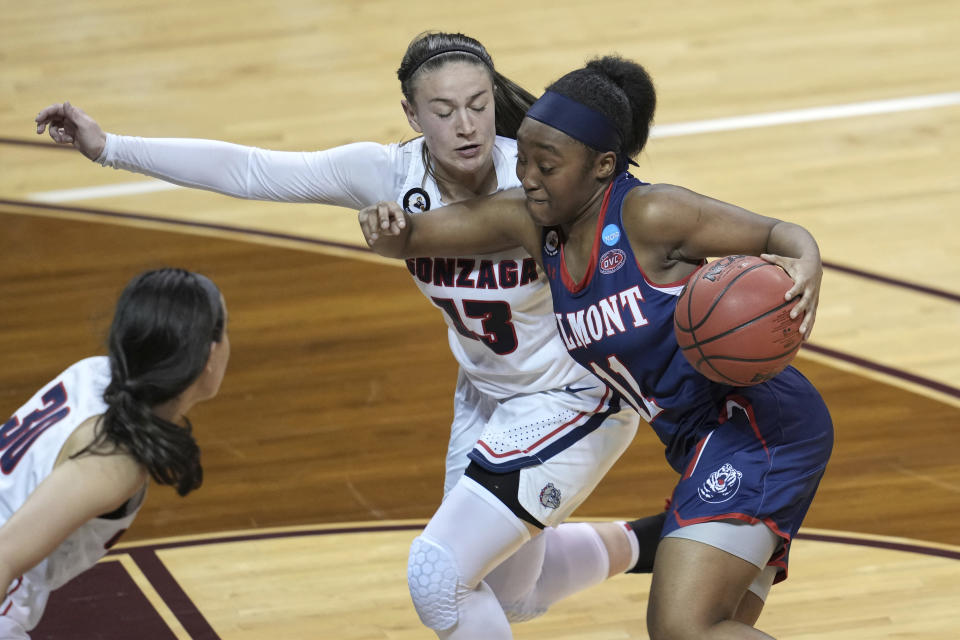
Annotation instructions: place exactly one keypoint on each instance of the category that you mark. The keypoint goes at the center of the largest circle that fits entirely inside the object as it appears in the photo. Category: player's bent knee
(524, 609)
(673, 625)
(432, 577)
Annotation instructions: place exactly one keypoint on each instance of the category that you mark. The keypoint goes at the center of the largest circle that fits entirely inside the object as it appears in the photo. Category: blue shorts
(760, 463)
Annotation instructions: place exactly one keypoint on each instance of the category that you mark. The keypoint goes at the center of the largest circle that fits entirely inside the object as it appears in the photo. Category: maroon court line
(173, 594)
(912, 286)
(26, 142)
(866, 364)
(122, 215)
(151, 548)
(881, 544)
(881, 368)
(177, 222)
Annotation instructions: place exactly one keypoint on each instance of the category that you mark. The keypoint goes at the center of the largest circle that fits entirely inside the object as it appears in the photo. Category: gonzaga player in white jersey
(76, 458)
(522, 406)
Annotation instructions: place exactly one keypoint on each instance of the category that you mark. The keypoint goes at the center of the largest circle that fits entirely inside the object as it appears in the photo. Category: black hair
(621, 90)
(431, 50)
(159, 344)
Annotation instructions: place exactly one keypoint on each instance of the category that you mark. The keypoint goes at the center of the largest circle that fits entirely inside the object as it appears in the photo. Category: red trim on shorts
(683, 522)
(579, 416)
(777, 560)
(744, 404)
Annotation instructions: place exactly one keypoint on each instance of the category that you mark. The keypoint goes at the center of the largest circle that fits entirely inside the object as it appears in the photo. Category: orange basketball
(732, 322)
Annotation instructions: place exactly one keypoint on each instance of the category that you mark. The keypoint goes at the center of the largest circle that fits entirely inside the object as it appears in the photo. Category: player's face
(217, 363)
(453, 109)
(559, 175)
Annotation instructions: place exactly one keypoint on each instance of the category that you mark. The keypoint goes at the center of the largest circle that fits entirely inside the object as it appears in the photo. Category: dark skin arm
(671, 229)
(482, 225)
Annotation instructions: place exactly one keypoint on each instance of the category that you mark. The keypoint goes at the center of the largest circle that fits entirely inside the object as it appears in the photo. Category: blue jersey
(749, 454)
(619, 325)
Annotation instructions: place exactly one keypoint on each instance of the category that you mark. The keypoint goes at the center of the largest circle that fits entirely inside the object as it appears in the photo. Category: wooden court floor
(324, 452)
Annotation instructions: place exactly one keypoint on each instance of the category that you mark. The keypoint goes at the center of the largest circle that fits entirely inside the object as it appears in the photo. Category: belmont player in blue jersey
(617, 253)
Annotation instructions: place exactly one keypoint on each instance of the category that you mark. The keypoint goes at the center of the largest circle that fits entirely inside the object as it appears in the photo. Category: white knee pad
(433, 579)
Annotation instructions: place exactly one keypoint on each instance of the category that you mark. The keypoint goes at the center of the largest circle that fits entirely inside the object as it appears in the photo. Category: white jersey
(497, 306)
(30, 442)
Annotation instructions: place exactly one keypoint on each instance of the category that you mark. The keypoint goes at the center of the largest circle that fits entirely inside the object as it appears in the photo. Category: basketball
(732, 322)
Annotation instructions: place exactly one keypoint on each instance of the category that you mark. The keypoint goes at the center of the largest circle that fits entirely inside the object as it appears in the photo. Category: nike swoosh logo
(570, 389)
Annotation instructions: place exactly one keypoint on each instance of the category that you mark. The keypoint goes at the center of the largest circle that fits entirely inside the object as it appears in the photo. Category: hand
(381, 220)
(806, 276)
(70, 125)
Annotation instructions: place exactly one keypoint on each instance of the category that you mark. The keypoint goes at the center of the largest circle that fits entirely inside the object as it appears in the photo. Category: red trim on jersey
(744, 404)
(606, 394)
(568, 282)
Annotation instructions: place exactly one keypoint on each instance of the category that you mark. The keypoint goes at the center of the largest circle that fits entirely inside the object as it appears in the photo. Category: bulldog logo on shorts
(721, 485)
(550, 496)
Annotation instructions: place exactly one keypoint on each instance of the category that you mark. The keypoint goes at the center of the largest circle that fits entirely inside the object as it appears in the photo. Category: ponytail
(158, 346)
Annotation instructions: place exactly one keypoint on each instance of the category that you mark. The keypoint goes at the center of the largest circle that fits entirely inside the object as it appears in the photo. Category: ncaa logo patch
(612, 260)
(722, 485)
(610, 234)
(551, 242)
(416, 200)
(550, 496)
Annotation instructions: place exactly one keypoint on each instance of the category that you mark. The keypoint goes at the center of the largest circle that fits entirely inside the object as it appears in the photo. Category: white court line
(105, 191)
(694, 127)
(812, 114)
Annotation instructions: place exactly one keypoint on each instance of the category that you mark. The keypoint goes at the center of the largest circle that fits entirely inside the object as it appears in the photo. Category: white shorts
(10, 629)
(562, 441)
(471, 410)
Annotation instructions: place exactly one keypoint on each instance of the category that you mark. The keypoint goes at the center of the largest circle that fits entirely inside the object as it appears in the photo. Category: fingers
(367, 217)
(51, 115)
(390, 217)
(384, 219)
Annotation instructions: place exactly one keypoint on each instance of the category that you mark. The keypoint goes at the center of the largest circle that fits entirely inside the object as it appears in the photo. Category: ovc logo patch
(612, 260)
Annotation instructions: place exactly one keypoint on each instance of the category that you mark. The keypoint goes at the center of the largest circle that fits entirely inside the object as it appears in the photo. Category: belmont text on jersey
(611, 316)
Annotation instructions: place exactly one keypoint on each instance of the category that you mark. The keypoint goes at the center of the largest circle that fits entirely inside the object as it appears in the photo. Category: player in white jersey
(537, 430)
(77, 456)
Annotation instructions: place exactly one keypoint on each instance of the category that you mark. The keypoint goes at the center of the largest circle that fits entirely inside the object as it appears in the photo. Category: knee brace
(432, 577)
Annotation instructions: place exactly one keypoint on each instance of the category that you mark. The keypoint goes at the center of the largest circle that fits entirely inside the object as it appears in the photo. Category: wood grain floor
(337, 403)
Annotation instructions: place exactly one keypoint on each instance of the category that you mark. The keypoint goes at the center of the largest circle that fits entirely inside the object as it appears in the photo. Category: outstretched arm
(353, 175)
(78, 490)
(685, 226)
(481, 225)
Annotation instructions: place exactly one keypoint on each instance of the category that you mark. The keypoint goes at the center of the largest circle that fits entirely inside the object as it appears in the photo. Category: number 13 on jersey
(495, 317)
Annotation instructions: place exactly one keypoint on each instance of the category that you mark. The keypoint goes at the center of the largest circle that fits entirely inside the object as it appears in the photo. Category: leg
(696, 592)
(470, 534)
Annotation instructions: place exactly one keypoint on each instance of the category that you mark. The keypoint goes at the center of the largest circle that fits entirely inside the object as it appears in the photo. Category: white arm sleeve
(353, 175)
